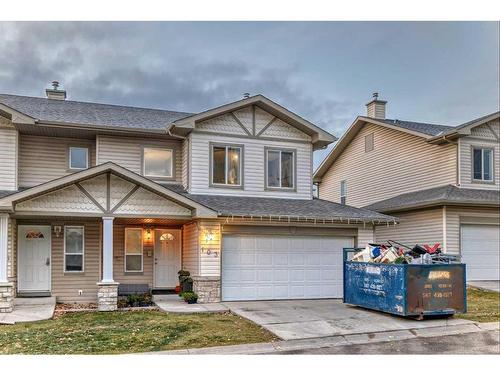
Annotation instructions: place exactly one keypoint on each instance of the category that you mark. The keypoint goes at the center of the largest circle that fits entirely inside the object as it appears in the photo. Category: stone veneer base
(107, 296)
(6, 297)
(207, 288)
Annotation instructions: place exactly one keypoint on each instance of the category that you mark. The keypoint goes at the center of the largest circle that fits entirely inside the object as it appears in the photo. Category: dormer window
(78, 158)
(482, 164)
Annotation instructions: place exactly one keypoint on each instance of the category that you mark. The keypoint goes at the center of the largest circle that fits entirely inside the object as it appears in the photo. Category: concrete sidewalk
(493, 286)
(172, 303)
(30, 310)
(282, 347)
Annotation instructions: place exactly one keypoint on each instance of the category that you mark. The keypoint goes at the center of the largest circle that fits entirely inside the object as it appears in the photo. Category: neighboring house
(93, 196)
(442, 182)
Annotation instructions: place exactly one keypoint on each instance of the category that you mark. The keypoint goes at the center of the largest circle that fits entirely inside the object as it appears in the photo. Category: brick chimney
(55, 93)
(376, 108)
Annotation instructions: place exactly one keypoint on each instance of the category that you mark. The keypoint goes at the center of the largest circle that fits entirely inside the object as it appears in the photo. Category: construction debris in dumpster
(396, 252)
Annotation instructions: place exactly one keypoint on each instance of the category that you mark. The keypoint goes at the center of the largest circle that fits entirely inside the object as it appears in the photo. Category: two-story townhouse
(442, 182)
(93, 196)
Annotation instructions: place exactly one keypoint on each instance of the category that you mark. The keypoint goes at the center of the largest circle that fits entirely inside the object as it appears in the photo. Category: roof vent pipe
(55, 93)
(376, 108)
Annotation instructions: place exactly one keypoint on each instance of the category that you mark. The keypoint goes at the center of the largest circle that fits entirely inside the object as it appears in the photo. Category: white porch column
(107, 289)
(6, 288)
(4, 239)
(107, 250)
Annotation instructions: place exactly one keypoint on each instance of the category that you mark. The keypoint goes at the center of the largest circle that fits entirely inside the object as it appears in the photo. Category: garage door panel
(280, 259)
(264, 259)
(480, 251)
(280, 267)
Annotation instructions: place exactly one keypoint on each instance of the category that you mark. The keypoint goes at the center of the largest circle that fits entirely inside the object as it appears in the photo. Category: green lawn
(482, 306)
(128, 332)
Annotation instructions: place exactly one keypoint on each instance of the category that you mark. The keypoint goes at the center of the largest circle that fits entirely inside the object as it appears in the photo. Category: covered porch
(81, 239)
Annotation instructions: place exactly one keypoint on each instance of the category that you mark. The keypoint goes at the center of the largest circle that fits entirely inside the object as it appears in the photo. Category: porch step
(163, 291)
(31, 301)
(166, 297)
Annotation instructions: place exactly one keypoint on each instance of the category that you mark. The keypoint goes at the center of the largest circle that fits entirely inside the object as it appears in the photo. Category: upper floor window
(343, 191)
(369, 142)
(73, 248)
(482, 164)
(78, 157)
(280, 165)
(226, 165)
(158, 162)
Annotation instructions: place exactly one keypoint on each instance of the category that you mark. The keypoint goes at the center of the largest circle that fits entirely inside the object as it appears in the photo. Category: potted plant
(190, 297)
(185, 281)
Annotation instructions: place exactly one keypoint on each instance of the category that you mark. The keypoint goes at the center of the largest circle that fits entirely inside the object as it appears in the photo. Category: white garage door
(281, 267)
(480, 251)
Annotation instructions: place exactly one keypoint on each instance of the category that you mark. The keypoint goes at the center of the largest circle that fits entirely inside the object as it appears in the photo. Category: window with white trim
(133, 250)
(482, 164)
(78, 157)
(226, 165)
(74, 248)
(343, 191)
(280, 165)
(158, 162)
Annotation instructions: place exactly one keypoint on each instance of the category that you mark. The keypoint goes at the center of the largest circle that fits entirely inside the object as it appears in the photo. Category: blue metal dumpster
(415, 290)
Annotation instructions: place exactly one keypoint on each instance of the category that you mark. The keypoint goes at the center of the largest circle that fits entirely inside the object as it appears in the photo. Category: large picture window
(482, 164)
(158, 162)
(226, 165)
(280, 169)
(74, 245)
(133, 250)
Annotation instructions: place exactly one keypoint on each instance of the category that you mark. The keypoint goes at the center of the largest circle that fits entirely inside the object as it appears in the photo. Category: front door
(34, 258)
(167, 257)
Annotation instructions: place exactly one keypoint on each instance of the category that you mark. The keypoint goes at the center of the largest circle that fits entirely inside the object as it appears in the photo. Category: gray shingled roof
(421, 127)
(448, 194)
(93, 114)
(4, 193)
(300, 208)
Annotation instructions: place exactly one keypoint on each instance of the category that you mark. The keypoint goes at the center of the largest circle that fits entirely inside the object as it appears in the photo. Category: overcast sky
(445, 73)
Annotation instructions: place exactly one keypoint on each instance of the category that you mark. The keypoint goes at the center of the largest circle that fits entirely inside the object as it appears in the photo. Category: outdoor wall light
(209, 236)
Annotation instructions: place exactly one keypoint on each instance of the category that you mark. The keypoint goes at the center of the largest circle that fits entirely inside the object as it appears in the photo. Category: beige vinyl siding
(190, 249)
(456, 215)
(185, 163)
(127, 152)
(8, 157)
(210, 263)
(65, 285)
(481, 136)
(254, 168)
(420, 226)
(119, 274)
(399, 163)
(366, 235)
(12, 252)
(43, 159)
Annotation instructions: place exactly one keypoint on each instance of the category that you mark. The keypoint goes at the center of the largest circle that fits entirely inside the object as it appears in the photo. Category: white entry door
(167, 258)
(480, 251)
(34, 258)
(259, 267)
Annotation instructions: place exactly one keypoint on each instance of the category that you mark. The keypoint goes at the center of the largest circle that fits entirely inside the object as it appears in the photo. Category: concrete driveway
(301, 319)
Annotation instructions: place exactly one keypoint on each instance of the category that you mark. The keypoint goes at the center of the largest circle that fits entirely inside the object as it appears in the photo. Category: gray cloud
(314, 69)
